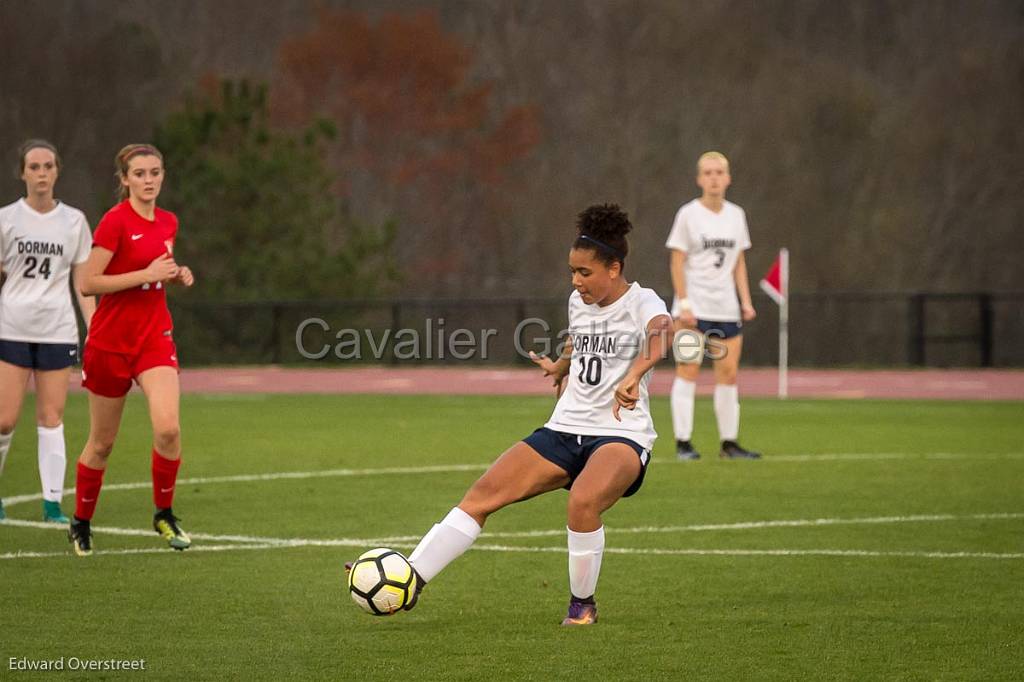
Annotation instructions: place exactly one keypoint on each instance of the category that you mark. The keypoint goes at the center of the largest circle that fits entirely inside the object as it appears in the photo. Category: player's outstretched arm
(94, 282)
(659, 339)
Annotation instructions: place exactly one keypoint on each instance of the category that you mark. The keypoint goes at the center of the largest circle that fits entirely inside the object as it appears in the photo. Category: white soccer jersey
(713, 243)
(37, 251)
(606, 341)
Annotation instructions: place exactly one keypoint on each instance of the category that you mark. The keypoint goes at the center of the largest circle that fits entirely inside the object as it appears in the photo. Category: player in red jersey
(131, 262)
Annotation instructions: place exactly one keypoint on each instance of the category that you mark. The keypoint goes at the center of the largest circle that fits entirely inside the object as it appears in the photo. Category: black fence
(857, 329)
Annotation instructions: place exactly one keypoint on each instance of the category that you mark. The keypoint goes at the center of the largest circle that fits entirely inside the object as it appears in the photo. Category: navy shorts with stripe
(721, 330)
(39, 356)
(571, 452)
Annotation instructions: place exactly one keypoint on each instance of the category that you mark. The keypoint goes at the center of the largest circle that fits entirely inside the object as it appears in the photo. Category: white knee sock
(444, 543)
(682, 407)
(5, 445)
(52, 462)
(585, 551)
(727, 411)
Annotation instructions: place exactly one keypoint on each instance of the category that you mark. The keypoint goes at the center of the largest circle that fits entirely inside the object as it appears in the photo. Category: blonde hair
(713, 156)
(121, 161)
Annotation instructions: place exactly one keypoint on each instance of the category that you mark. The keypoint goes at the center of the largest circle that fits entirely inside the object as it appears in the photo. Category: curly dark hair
(602, 228)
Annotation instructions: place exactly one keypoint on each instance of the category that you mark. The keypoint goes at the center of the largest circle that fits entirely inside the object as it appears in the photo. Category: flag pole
(784, 325)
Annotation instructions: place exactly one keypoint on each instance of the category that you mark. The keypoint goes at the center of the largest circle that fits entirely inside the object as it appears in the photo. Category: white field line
(450, 468)
(744, 525)
(635, 530)
(610, 550)
(408, 542)
(288, 475)
(243, 539)
(768, 552)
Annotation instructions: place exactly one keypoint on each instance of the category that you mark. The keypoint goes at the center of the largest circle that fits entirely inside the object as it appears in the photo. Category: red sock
(87, 490)
(165, 473)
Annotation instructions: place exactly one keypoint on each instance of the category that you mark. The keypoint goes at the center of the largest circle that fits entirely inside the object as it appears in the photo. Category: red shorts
(110, 374)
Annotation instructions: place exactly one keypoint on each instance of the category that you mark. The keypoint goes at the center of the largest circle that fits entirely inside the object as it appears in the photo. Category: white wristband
(681, 305)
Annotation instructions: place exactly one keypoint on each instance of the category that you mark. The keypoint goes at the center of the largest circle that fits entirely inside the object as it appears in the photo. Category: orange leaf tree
(418, 138)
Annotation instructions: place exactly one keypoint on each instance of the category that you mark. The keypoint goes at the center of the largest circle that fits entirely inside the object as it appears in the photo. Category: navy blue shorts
(41, 356)
(721, 330)
(571, 452)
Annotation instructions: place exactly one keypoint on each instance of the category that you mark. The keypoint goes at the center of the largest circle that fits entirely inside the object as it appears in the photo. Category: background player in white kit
(707, 240)
(618, 331)
(42, 243)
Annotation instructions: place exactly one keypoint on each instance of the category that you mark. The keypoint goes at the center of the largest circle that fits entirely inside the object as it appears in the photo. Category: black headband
(611, 249)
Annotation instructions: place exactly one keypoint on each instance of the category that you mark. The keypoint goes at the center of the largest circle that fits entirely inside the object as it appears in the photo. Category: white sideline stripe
(746, 525)
(243, 539)
(121, 552)
(400, 542)
(450, 468)
(768, 552)
(394, 539)
(610, 550)
(291, 475)
(870, 456)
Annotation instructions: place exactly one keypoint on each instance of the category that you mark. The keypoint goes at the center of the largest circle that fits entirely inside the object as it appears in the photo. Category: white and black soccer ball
(382, 581)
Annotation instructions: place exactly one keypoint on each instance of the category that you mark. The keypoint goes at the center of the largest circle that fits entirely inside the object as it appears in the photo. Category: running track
(911, 384)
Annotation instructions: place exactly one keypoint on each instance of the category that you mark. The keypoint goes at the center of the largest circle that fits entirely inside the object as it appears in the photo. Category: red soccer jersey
(127, 321)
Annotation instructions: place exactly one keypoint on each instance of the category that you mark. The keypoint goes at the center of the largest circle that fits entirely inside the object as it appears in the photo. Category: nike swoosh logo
(167, 490)
(87, 501)
(136, 236)
(18, 239)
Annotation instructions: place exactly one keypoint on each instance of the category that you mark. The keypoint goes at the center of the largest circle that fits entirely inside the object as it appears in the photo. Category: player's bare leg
(606, 477)
(104, 423)
(518, 474)
(51, 396)
(13, 381)
(163, 393)
(726, 399)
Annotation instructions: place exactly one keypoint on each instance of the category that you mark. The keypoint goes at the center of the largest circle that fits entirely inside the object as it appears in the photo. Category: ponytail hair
(121, 161)
(602, 228)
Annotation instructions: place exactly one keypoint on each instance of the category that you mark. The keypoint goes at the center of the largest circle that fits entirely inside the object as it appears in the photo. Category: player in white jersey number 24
(43, 244)
(599, 438)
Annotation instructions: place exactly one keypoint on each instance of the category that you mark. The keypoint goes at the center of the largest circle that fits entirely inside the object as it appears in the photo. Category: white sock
(727, 411)
(52, 462)
(5, 445)
(683, 392)
(444, 543)
(585, 551)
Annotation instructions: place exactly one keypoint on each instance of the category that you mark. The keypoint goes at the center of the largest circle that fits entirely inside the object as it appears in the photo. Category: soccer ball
(382, 581)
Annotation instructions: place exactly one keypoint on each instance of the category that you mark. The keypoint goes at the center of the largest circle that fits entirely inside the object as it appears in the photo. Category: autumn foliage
(400, 92)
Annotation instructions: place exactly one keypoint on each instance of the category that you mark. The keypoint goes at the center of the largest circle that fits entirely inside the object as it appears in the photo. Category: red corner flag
(774, 283)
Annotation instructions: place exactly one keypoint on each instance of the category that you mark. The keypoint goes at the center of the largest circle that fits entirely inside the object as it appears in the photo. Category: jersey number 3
(44, 268)
(719, 257)
(590, 370)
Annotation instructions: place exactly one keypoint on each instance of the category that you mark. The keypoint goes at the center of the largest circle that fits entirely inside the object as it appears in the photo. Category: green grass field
(919, 574)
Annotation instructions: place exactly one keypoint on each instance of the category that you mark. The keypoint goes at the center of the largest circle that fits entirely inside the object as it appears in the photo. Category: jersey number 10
(590, 370)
